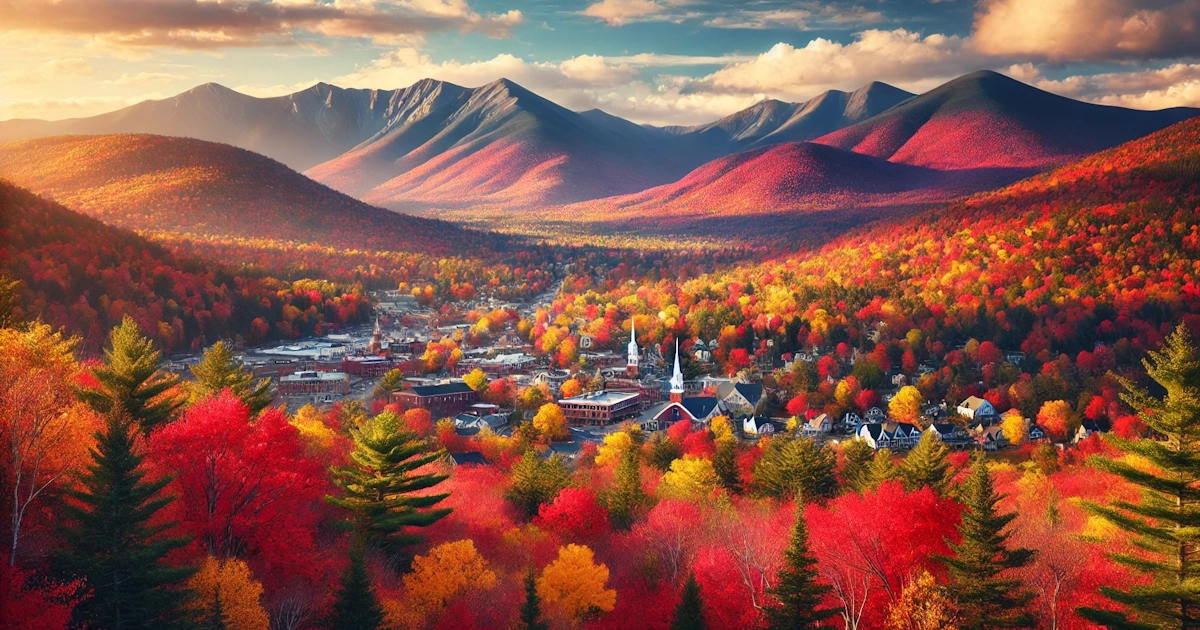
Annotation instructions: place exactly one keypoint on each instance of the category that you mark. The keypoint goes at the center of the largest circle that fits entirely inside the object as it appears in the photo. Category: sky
(651, 61)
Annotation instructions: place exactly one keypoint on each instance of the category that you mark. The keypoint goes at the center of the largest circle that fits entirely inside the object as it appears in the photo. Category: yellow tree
(228, 587)
(691, 478)
(614, 446)
(315, 434)
(551, 422)
(476, 379)
(906, 406)
(447, 572)
(1013, 426)
(570, 388)
(721, 429)
(922, 605)
(574, 586)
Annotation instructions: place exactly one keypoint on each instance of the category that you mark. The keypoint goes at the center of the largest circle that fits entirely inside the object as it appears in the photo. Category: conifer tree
(689, 614)
(110, 543)
(881, 469)
(796, 467)
(130, 381)
(378, 485)
(725, 465)
(985, 596)
(531, 608)
(536, 481)
(857, 457)
(796, 586)
(663, 451)
(218, 371)
(926, 465)
(355, 606)
(216, 614)
(10, 300)
(627, 498)
(1165, 524)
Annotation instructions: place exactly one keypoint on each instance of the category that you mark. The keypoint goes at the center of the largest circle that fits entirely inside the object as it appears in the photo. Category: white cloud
(59, 108)
(1177, 85)
(145, 78)
(622, 12)
(46, 71)
(812, 15)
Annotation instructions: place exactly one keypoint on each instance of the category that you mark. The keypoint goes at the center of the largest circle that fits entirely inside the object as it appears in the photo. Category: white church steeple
(631, 360)
(677, 378)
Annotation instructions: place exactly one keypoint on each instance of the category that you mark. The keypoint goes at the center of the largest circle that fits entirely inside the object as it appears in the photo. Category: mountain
(987, 120)
(774, 122)
(183, 185)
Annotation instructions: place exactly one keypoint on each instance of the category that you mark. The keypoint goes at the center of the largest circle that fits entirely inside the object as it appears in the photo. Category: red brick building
(601, 408)
(441, 401)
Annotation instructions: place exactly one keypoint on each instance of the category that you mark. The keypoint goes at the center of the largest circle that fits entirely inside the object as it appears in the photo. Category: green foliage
(796, 467)
(531, 608)
(627, 499)
(857, 457)
(796, 589)
(110, 542)
(130, 381)
(986, 596)
(355, 606)
(725, 465)
(1165, 524)
(926, 465)
(689, 613)
(391, 381)
(379, 485)
(215, 620)
(218, 371)
(881, 469)
(663, 451)
(10, 301)
(536, 481)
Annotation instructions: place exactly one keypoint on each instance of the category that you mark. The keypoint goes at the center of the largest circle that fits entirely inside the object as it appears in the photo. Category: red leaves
(576, 513)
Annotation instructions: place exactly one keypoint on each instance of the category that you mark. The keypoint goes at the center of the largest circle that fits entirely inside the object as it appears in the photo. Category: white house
(817, 425)
(992, 439)
(757, 425)
(742, 398)
(1085, 430)
(976, 408)
(875, 415)
(949, 433)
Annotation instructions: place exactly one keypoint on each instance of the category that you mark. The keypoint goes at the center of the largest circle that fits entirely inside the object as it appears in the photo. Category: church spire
(631, 359)
(677, 375)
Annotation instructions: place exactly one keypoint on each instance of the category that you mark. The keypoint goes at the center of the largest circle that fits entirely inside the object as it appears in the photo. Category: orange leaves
(231, 583)
(574, 587)
(447, 572)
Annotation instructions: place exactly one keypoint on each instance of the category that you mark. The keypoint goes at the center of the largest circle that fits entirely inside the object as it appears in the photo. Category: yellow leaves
(1014, 429)
(551, 422)
(446, 572)
(691, 478)
(721, 429)
(615, 445)
(239, 593)
(574, 586)
(1099, 529)
(313, 431)
(906, 406)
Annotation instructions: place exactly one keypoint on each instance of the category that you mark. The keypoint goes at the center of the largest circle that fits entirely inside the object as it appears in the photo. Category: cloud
(810, 17)
(622, 12)
(1177, 85)
(208, 24)
(47, 71)
(59, 108)
(268, 91)
(1076, 30)
(145, 78)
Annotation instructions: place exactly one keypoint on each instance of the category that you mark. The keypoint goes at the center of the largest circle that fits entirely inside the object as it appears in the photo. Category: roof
(442, 389)
(973, 403)
(944, 428)
(603, 397)
(700, 406)
(314, 376)
(474, 458)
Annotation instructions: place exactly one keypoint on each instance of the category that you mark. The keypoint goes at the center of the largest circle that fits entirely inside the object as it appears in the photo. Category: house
(701, 352)
(875, 435)
(441, 401)
(851, 420)
(950, 433)
(700, 410)
(1085, 431)
(976, 408)
(1014, 357)
(742, 398)
(1036, 433)
(904, 434)
(899, 380)
(757, 425)
(817, 425)
(493, 422)
(992, 439)
(471, 458)
(569, 451)
(875, 415)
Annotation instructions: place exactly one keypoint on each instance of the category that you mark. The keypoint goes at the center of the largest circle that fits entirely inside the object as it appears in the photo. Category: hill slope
(183, 185)
(987, 120)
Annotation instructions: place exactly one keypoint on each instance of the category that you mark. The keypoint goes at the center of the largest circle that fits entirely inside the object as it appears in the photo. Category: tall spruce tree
(110, 543)
(725, 465)
(689, 614)
(355, 606)
(218, 371)
(130, 381)
(531, 608)
(216, 613)
(796, 467)
(857, 456)
(378, 485)
(985, 595)
(796, 586)
(536, 481)
(627, 499)
(1165, 524)
(926, 465)
(881, 469)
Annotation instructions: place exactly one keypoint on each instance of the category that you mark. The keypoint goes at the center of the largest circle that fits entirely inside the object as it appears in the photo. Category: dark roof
(441, 390)
(467, 431)
(874, 430)
(473, 458)
(700, 406)
(750, 391)
(565, 448)
(944, 428)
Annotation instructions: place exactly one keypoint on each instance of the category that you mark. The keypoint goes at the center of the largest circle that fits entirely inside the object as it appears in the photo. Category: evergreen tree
(796, 586)
(986, 597)
(796, 467)
(218, 371)
(392, 381)
(216, 614)
(531, 608)
(725, 465)
(355, 606)
(109, 543)
(1165, 524)
(378, 486)
(926, 465)
(881, 469)
(689, 614)
(627, 498)
(663, 451)
(10, 301)
(130, 381)
(536, 481)
(857, 457)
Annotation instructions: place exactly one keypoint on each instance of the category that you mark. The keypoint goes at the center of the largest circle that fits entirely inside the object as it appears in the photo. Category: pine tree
(531, 608)
(627, 498)
(725, 465)
(796, 467)
(985, 596)
(536, 481)
(109, 543)
(857, 457)
(1165, 524)
(926, 465)
(355, 606)
(378, 486)
(216, 614)
(663, 451)
(689, 614)
(796, 586)
(218, 371)
(881, 469)
(130, 381)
